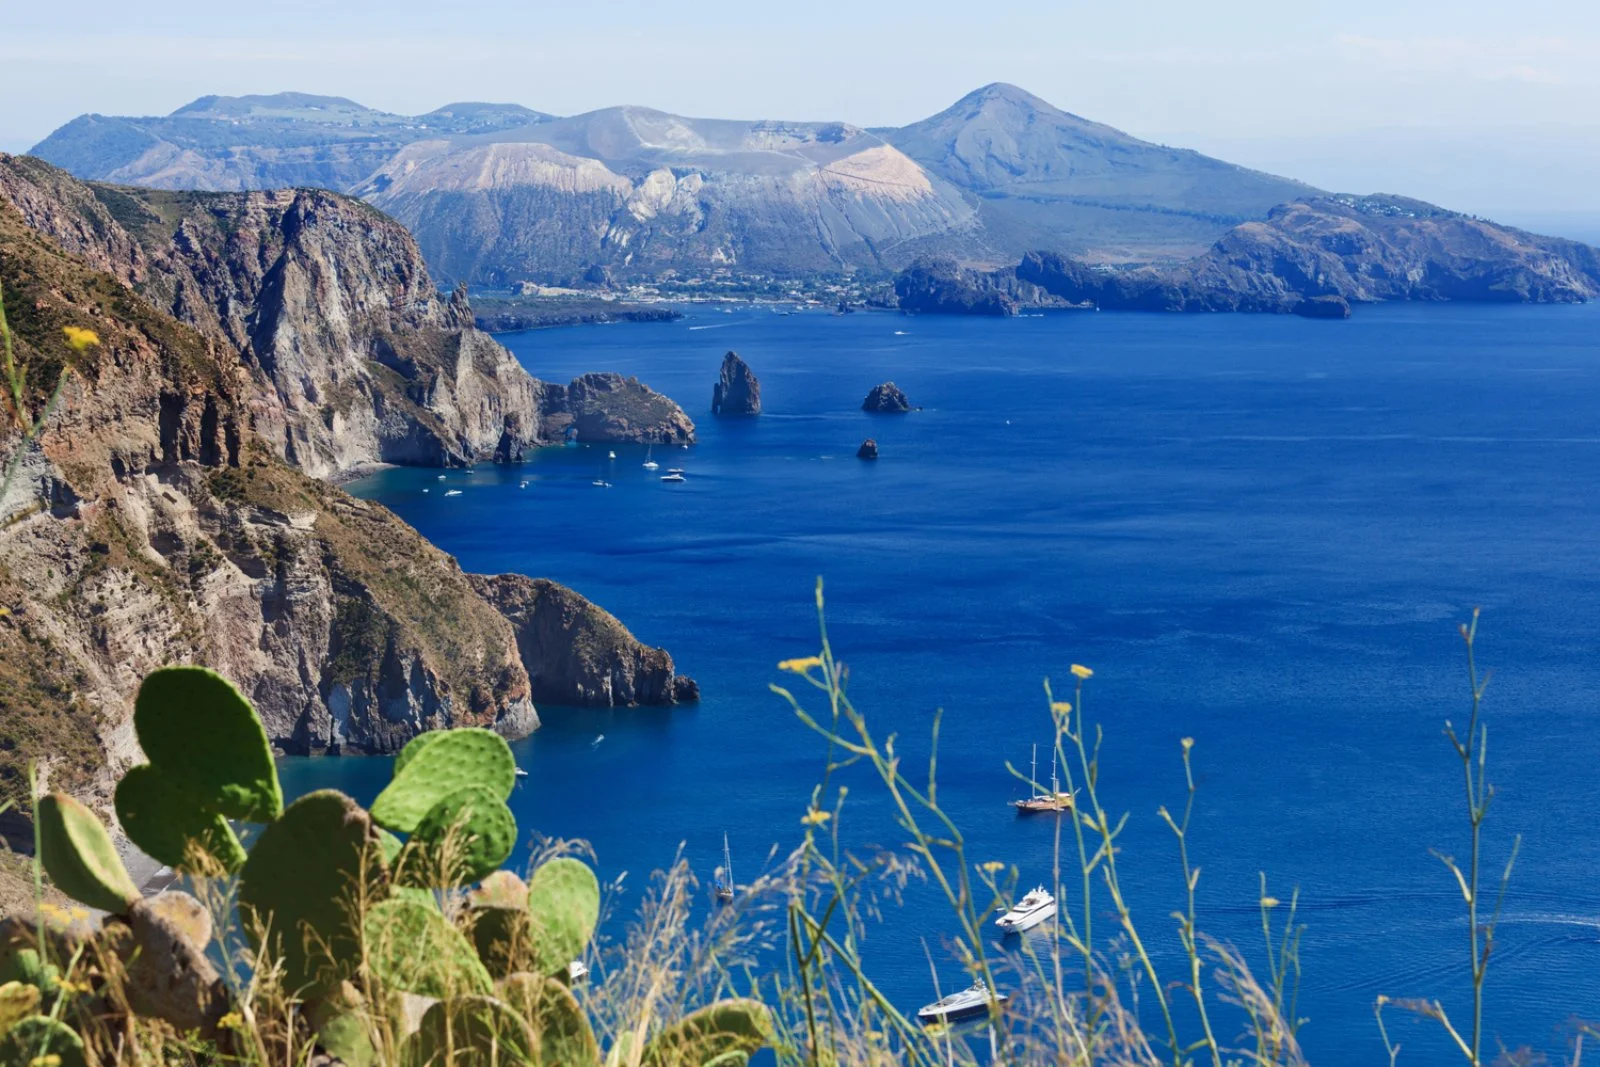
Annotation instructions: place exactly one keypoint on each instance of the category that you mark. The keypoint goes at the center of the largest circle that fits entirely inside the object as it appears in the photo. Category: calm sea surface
(1261, 532)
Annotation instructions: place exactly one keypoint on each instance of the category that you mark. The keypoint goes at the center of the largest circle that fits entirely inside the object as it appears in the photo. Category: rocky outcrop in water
(738, 391)
(868, 449)
(1322, 307)
(886, 399)
(609, 407)
(577, 653)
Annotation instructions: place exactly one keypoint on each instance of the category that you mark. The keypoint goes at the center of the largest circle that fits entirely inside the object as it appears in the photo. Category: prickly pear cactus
(79, 857)
(717, 1033)
(29, 1041)
(563, 908)
(414, 746)
(452, 760)
(411, 947)
(560, 1028)
(168, 822)
(301, 885)
(463, 837)
(207, 739)
(472, 1031)
(342, 1026)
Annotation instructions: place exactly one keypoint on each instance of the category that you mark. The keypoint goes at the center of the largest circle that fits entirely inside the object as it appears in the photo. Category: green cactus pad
(79, 857)
(205, 736)
(559, 1026)
(465, 836)
(163, 819)
(453, 760)
(414, 746)
(302, 878)
(563, 908)
(39, 1035)
(711, 1035)
(472, 1031)
(341, 1027)
(413, 948)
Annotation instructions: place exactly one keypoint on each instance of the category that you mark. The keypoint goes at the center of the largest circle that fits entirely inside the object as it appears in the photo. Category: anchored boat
(1053, 801)
(974, 1000)
(722, 880)
(1028, 912)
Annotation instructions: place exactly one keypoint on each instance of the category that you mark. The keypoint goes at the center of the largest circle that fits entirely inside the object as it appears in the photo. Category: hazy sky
(1485, 106)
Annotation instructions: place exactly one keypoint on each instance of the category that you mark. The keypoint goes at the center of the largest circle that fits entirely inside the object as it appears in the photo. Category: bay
(1261, 532)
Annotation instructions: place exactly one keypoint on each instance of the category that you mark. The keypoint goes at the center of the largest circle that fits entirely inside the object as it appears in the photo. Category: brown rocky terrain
(156, 522)
(330, 300)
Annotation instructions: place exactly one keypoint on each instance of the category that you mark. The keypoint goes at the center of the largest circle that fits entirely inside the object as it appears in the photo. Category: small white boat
(424, 490)
(611, 455)
(974, 1000)
(522, 485)
(672, 478)
(675, 470)
(650, 463)
(722, 878)
(452, 492)
(521, 773)
(441, 477)
(602, 483)
(1028, 912)
(577, 971)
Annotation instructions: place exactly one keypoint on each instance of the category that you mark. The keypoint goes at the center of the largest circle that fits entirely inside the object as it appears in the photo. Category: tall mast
(1033, 771)
(1054, 790)
(727, 859)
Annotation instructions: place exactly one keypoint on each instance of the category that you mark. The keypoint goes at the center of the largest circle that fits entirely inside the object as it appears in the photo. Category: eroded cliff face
(155, 523)
(330, 300)
(576, 652)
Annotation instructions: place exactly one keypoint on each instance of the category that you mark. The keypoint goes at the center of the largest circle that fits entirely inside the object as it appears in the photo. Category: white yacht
(650, 463)
(452, 492)
(673, 477)
(972, 1001)
(601, 483)
(1028, 912)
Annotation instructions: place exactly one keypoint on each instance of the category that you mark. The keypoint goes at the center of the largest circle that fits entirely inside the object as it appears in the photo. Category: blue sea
(1260, 532)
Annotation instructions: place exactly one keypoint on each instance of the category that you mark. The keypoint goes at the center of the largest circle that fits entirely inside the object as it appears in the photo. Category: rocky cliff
(154, 524)
(1313, 257)
(330, 300)
(578, 653)
(738, 390)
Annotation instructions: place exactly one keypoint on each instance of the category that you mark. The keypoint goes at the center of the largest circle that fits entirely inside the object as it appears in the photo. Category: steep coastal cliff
(156, 523)
(330, 300)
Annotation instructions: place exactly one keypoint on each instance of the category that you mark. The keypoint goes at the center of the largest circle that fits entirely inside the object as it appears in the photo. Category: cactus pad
(412, 747)
(206, 737)
(163, 819)
(715, 1033)
(563, 908)
(411, 947)
(465, 836)
(472, 1031)
(559, 1026)
(452, 760)
(79, 857)
(301, 885)
(37, 1036)
(497, 912)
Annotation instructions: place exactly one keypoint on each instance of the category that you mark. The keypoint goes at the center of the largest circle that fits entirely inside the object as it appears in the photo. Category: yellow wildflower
(231, 1021)
(1269, 902)
(992, 867)
(80, 339)
(51, 1060)
(1061, 707)
(815, 817)
(1188, 743)
(1081, 671)
(800, 666)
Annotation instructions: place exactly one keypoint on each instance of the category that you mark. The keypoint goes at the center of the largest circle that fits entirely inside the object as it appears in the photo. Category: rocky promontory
(886, 399)
(577, 653)
(738, 391)
(608, 407)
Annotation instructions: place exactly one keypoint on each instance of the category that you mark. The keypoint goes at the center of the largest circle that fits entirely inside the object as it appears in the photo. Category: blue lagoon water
(1261, 532)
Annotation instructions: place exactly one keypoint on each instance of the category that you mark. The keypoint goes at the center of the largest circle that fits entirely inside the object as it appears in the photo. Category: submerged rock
(868, 449)
(738, 391)
(886, 399)
(576, 652)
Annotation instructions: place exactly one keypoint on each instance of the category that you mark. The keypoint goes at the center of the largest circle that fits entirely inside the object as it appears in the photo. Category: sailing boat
(722, 880)
(650, 463)
(1055, 800)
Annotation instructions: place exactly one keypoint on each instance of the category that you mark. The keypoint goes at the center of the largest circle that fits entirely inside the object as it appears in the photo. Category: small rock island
(738, 391)
(886, 399)
(868, 449)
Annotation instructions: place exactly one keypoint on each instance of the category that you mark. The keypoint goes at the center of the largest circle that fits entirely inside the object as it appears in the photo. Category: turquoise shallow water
(1261, 532)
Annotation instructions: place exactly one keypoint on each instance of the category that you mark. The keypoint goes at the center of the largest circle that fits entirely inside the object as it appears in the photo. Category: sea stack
(886, 399)
(737, 392)
(868, 449)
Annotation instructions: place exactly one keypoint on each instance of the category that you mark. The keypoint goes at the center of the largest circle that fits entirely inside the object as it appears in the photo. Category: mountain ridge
(521, 195)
